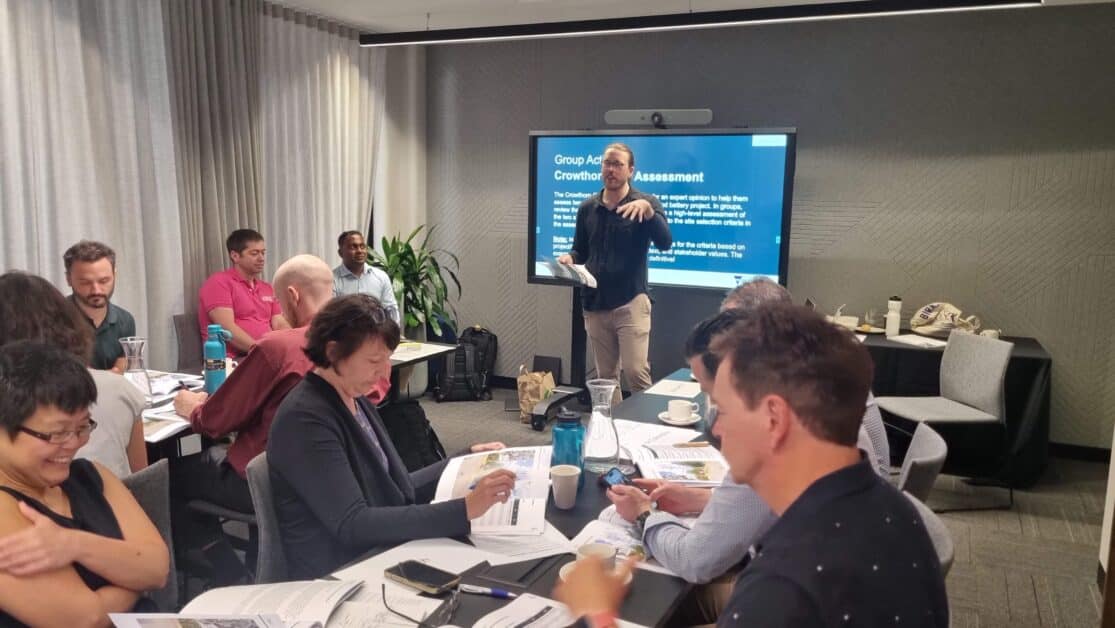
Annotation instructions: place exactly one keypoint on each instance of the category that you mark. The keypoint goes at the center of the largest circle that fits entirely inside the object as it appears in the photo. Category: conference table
(653, 597)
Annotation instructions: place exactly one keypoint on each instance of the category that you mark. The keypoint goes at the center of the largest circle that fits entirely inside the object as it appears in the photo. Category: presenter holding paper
(615, 228)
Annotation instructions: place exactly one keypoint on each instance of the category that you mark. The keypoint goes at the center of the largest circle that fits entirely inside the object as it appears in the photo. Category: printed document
(524, 513)
(533, 611)
(512, 549)
(675, 388)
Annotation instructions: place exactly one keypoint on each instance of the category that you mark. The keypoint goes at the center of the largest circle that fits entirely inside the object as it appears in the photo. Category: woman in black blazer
(339, 486)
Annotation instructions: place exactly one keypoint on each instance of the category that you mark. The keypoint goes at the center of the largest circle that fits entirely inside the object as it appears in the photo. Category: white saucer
(664, 416)
(567, 567)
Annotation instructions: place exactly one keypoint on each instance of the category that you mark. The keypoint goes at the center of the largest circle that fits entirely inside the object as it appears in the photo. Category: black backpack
(412, 434)
(466, 373)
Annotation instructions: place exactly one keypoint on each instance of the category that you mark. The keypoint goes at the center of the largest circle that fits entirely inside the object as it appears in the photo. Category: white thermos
(894, 316)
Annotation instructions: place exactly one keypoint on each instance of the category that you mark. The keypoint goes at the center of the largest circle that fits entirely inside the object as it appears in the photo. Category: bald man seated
(246, 404)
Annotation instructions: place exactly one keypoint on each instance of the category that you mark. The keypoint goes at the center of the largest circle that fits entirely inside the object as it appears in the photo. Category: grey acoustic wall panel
(967, 157)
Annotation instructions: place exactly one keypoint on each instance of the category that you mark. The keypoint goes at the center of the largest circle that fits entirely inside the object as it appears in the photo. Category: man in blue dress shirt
(355, 275)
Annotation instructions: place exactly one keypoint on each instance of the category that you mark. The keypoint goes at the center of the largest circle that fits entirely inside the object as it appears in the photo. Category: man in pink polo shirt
(237, 299)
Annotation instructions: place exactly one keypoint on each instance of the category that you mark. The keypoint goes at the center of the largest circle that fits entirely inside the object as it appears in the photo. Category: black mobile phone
(423, 577)
(615, 477)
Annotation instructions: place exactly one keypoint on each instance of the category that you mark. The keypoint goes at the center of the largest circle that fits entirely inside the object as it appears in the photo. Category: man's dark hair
(622, 147)
(88, 251)
(31, 308)
(36, 374)
(821, 370)
(697, 344)
(345, 235)
(752, 294)
(240, 239)
(349, 321)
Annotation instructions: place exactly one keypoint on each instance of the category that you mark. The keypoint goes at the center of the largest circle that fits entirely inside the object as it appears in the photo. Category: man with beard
(354, 274)
(238, 299)
(91, 273)
(615, 228)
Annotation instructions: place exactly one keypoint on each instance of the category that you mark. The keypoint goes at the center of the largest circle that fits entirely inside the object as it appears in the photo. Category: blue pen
(500, 593)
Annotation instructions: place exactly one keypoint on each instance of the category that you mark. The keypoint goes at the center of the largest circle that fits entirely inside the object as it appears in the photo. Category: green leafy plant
(416, 276)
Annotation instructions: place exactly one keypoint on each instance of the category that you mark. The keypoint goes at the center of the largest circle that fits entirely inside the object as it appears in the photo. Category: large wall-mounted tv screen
(726, 194)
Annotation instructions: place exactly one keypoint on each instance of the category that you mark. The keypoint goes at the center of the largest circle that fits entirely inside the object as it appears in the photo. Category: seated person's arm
(140, 561)
(236, 404)
(225, 317)
(56, 597)
(137, 447)
(278, 321)
(119, 365)
(734, 519)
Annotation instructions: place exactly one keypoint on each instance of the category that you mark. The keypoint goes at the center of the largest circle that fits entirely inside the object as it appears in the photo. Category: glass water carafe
(136, 369)
(601, 440)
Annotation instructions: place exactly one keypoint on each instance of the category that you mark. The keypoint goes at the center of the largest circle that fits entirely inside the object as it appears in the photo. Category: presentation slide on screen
(723, 197)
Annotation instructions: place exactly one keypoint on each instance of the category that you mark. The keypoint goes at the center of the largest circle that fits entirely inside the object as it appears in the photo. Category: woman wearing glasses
(74, 544)
(31, 308)
(339, 486)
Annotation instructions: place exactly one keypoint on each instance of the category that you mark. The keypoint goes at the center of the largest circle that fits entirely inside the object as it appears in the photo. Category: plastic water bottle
(214, 353)
(568, 436)
(894, 316)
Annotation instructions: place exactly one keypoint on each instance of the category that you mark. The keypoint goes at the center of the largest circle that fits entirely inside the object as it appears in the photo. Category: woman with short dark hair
(31, 308)
(74, 544)
(340, 487)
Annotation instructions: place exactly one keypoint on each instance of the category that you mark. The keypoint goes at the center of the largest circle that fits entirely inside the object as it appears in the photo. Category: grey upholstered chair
(972, 372)
(270, 561)
(151, 488)
(189, 344)
(938, 533)
(923, 462)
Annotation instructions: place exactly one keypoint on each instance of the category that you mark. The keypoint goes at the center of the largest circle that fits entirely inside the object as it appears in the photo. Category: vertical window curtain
(321, 102)
(212, 50)
(86, 149)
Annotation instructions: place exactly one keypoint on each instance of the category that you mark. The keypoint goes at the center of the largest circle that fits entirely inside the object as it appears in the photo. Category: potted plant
(420, 288)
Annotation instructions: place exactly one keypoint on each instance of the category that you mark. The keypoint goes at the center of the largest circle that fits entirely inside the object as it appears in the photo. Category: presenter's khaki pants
(622, 337)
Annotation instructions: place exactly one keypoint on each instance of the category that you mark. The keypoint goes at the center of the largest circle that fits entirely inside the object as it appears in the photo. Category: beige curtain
(86, 150)
(400, 181)
(213, 56)
(320, 111)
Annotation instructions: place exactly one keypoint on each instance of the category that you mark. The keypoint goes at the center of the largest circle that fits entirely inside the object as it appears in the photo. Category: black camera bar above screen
(727, 195)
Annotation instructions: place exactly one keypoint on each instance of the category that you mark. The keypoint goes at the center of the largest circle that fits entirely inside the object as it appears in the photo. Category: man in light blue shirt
(355, 275)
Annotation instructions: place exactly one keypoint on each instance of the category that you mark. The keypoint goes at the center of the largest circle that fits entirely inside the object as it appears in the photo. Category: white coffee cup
(681, 410)
(563, 481)
(606, 553)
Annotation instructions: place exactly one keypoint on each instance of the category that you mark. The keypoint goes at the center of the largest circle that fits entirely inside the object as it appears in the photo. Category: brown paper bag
(533, 387)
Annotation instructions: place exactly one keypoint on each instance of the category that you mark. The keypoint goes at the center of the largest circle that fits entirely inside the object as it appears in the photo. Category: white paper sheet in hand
(675, 388)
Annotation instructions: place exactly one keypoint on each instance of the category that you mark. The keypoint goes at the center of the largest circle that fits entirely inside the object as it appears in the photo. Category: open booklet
(611, 529)
(162, 422)
(577, 273)
(683, 464)
(283, 605)
(524, 513)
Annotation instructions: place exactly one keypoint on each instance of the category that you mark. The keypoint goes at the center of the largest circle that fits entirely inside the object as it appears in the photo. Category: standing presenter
(614, 230)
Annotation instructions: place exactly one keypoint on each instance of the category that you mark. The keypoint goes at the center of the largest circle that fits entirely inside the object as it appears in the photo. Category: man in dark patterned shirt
(848, 549)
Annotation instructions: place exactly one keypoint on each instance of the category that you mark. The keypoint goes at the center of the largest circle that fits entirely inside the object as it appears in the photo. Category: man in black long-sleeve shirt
(615, 228)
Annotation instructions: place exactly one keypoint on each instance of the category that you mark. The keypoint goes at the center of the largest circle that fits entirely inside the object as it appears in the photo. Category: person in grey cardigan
(340, 488)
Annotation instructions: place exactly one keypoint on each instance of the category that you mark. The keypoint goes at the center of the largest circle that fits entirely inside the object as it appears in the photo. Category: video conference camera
(658, 118)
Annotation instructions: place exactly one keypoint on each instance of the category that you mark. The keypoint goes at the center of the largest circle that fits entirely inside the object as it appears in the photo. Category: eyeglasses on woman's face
(62, 437)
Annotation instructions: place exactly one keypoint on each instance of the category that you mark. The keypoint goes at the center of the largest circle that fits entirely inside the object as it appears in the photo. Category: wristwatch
(641, 520)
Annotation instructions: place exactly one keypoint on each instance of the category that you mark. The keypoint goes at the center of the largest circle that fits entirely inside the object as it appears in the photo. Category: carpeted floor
(1034, 565)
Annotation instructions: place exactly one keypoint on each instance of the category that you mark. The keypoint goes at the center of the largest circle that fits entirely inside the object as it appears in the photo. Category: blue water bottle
(569, 442)
(214, 353)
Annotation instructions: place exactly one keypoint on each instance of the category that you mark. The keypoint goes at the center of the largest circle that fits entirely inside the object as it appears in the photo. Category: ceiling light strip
(680, 21)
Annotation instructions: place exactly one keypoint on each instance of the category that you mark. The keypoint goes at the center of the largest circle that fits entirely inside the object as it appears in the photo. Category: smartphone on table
(615, 477)
(425, 578)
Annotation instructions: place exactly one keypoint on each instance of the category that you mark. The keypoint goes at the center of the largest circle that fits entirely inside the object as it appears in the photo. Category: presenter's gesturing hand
(566, 259)
(492, 488)
(637, 210)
